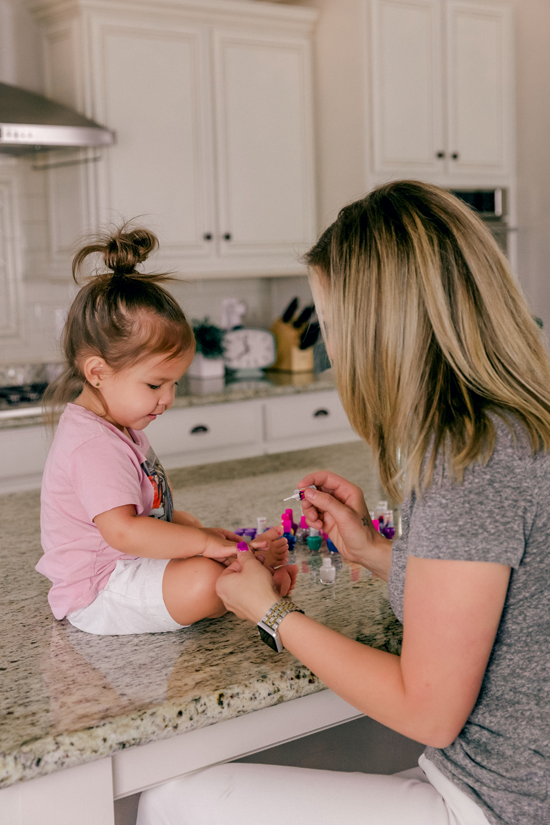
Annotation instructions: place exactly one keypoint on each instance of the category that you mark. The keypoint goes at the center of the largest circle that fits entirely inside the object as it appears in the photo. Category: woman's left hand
(247, 588)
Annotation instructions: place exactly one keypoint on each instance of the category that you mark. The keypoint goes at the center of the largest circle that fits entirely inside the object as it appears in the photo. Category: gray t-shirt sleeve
(481, 519)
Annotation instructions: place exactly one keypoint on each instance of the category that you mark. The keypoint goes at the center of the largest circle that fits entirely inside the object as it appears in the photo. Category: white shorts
(130, 602)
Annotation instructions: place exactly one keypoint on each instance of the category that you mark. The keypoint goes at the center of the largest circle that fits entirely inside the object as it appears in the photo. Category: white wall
(533, 145)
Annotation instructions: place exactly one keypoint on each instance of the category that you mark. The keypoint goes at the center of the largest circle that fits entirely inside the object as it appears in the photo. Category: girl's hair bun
(125, 250)
(122, 250)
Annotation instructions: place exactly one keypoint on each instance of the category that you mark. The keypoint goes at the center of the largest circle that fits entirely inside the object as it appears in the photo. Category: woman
(441, 369)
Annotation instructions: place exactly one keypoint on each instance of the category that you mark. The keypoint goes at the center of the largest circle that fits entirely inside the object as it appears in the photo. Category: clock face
(249, 349)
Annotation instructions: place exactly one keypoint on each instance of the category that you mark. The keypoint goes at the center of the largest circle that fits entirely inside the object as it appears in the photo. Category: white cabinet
(307, 420)
(201, 435)
(206, 434)
(442, 87)
(479, 87)
(407, 94)
(419, 89)
(212, 105)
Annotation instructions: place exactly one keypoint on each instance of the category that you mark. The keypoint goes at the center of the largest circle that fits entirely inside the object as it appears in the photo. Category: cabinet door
(151, 86)
(264, 142)
(407, 87)
(480, 84)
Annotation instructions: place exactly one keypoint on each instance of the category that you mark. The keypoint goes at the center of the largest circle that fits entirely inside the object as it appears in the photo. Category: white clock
(249, 349)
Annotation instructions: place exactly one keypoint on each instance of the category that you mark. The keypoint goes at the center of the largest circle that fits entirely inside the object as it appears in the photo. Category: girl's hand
(284, 579)
(338, 508)
(222, 533)
(247, 588)
(219, 548)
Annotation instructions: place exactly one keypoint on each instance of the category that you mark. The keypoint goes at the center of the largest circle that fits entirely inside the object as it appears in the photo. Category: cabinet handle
(207, 236)
(320, 413)
(455, 155)
(227, 236)
(199, 429)
(440, 154)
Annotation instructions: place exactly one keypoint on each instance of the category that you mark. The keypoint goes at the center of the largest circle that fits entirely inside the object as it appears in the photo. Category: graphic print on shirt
(163, 505)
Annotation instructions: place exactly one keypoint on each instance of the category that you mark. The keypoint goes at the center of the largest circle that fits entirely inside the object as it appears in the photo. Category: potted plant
(208, 361)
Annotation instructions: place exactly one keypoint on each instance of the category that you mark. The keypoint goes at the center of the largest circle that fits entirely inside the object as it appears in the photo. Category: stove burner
(25, 394)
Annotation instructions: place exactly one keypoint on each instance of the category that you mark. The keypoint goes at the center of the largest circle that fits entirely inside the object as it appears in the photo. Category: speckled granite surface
(67, 698)
(194, 392)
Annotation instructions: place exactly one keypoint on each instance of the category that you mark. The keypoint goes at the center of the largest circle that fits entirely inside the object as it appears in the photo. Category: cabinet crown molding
(251, 9)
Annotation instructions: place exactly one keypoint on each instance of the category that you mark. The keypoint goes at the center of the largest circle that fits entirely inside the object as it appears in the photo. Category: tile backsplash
(45, 305)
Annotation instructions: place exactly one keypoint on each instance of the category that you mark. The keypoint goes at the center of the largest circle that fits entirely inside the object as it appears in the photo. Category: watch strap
(278, 611)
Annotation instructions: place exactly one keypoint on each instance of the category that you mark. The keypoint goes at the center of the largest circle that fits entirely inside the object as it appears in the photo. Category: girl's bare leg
(189, 589)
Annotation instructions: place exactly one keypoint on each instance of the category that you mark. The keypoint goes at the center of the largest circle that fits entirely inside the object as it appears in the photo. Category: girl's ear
(95, 370)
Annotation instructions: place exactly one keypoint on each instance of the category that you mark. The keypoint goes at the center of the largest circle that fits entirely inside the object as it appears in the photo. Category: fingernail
(260, 557)
(310, 494)
(242, 547)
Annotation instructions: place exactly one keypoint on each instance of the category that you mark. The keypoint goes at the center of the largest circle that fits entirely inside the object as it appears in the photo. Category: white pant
(250, 794)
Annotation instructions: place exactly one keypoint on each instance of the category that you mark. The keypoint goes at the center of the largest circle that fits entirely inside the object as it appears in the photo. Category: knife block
(290, 358)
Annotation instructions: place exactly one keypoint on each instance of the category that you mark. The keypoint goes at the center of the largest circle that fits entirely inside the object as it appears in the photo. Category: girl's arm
(186, 519)
(152, 538)
(452, 613)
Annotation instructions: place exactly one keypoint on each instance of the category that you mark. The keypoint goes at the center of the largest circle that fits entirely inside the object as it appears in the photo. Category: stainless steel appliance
(491, 206)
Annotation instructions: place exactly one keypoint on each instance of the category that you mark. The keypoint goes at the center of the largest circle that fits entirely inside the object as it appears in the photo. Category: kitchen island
(87, 719)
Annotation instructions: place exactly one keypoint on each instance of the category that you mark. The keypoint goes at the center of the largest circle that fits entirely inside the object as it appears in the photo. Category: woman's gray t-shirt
(500, 513)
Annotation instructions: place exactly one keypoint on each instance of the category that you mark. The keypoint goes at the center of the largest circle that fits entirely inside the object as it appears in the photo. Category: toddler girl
(120, 559)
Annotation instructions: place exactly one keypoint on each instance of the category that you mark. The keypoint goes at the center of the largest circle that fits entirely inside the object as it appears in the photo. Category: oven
(491, 206)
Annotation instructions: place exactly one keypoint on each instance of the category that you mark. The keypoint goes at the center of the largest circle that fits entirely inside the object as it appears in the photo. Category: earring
(97, 385)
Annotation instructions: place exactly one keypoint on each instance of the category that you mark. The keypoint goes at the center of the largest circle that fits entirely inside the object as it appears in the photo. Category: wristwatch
(268, 626)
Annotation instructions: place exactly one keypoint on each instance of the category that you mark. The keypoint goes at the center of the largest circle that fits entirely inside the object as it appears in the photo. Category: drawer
(195, 429)
(305, 415)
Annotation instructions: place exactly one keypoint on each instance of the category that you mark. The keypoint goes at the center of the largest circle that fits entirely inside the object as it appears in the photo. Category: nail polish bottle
(261, 528)
(314, 540)
(290, 514)
(287, 533)
(327, 573)
(388, 530)
(302, 532)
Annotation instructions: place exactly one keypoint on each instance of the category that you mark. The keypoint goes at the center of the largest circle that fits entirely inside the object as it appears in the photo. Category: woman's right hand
(338, 508)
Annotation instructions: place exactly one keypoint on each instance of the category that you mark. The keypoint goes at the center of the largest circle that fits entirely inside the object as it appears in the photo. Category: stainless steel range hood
(30, 123)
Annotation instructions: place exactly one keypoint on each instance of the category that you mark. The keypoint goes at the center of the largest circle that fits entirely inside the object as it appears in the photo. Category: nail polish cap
(303, 523)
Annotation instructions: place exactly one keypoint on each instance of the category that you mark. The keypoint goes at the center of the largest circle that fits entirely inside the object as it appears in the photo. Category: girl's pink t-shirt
(92, 467)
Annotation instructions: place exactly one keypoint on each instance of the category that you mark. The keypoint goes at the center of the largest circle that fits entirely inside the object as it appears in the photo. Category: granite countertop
(67, 697)
(193, 392)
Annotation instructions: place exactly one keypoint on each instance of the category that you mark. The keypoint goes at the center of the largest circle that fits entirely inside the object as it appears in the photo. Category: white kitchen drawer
(24, 451)
(209, 433)
(311, 416)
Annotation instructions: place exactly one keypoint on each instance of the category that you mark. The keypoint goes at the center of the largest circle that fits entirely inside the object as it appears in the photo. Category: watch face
(249, 349)
(270, 639)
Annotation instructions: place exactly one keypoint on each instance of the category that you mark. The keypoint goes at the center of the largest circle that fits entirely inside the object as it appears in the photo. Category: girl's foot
(276, 552)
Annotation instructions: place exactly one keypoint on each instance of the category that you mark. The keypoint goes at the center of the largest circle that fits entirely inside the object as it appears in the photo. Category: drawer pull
(199, 429)
(321, 413)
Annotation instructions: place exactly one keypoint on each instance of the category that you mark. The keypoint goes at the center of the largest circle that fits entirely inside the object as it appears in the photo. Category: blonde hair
(428, 332)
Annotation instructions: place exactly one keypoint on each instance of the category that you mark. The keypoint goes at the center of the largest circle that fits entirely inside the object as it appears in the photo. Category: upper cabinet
(211, 101)
(441, 87)
(413, 89)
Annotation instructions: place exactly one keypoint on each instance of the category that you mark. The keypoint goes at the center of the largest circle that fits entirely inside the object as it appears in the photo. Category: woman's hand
(247, 588)
(338, 508)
